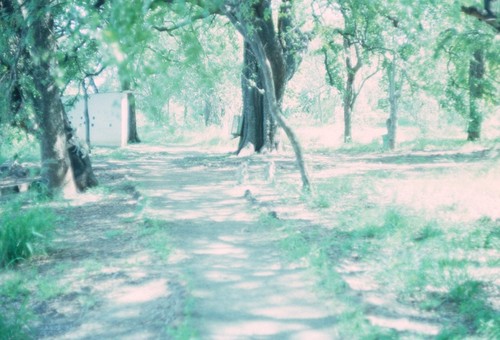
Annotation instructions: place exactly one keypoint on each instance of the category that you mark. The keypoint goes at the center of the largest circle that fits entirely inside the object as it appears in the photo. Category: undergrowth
(24, 232)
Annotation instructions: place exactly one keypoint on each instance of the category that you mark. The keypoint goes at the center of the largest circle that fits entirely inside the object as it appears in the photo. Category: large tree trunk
(264, 51)
(259, 125)
(56, 166)
(58, 169)
(476, 74)
(252, 131)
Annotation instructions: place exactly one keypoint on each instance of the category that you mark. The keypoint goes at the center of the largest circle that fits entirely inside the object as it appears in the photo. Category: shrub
(24, 232)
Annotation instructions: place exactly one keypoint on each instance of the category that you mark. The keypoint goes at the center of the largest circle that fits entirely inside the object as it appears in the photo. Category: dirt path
(170, 247)
(240, 286)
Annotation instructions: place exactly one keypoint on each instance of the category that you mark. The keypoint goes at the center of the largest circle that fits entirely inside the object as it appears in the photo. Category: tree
(283, 43)
(348, 44)
(238, 14)
(472, 58)
(477, 65)
(29, 58)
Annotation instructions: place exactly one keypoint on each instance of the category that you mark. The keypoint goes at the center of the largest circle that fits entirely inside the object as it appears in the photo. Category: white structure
(108, 118)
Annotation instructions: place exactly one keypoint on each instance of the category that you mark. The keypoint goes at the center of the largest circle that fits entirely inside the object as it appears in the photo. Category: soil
(174, 245)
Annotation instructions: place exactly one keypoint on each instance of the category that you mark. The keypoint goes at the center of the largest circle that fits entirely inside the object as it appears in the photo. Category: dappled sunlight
(404, 324)
(222, 249)
(139, 293)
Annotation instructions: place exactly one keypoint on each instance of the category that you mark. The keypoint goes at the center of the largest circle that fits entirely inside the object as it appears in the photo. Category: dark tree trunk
(253, 103)
(133, 136)
(274, 74)
(79, 155)
(282, 51)
(476, 74)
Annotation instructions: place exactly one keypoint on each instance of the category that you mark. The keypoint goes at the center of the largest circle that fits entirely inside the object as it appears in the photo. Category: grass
(185, 330)
(156, 237)
(414, 251)
(13, 324)
(24, 232)
(14, 315)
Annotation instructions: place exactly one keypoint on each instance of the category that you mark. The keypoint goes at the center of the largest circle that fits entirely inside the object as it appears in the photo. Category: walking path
(241, 287)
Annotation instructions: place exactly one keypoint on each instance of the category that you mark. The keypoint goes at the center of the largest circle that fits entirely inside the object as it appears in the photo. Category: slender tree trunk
(86, 115)
(349, 96)
(347, 105)
(133, 136)
(392, 122)
(476, 74)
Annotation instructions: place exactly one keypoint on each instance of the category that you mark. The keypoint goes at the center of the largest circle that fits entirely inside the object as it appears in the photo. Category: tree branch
(186, 22)
(485, 16)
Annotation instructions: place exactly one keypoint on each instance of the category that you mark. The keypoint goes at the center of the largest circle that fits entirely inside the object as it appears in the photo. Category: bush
(24, 232)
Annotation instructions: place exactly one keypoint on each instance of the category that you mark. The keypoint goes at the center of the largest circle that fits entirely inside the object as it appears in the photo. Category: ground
(175, 244)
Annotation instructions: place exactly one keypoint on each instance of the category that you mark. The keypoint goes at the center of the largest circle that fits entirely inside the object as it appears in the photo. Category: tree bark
(275, 110)
(282, 51)
(392, 121)
(79, 155)
(57, 162)
(476, 74)
(56, 169)
(349, 96)
(347, 101)
(257, 43)
(133, 136)
(253, 103)
(86, 115)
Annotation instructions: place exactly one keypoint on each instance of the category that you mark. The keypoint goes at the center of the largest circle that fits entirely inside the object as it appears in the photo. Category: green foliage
(24, 232)
(457, 46)
(15, 142)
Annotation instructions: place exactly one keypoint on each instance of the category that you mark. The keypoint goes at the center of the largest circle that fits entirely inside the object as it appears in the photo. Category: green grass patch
(156, 237)
(467, 302)
(24, 232)
(13, 323)
(14, 316)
